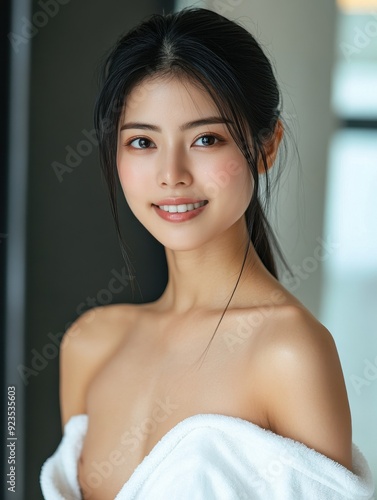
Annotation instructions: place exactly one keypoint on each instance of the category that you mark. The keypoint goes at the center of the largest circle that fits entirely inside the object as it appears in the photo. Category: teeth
(181, 208)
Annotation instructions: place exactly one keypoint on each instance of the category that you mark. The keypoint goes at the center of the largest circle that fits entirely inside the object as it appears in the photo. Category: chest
(147, 388)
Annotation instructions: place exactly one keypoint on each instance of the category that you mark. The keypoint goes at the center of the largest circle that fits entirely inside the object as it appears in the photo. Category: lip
(177, 201)
(178, 216)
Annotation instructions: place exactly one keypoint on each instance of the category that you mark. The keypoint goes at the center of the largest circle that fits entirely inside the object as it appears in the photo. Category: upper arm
(307, 397)
(85, 347)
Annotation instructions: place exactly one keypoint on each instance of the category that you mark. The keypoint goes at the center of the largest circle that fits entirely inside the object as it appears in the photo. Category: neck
(204, 278)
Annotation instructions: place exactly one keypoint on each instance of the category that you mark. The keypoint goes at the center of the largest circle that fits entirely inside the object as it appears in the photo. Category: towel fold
(216, 457)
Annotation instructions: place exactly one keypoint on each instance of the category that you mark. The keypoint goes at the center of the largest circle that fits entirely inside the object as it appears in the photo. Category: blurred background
(59, 250)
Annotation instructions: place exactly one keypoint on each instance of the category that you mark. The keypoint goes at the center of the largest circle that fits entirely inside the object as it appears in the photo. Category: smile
(180, 213)
(182, 208)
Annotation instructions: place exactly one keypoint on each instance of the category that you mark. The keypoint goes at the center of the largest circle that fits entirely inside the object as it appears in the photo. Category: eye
(208, 140)
(140, 143)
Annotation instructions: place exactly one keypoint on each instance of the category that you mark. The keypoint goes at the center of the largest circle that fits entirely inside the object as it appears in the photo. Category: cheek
(124, 179)
(128, 176)
(233, 180)
(242, 190)
(132, 180)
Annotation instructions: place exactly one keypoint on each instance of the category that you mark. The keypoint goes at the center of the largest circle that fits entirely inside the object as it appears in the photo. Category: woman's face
(173, 144)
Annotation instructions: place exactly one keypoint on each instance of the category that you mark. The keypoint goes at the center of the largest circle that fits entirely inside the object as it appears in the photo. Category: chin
(179, 246)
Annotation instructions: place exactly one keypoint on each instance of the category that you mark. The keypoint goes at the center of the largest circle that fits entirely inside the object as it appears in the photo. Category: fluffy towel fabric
(216, 457)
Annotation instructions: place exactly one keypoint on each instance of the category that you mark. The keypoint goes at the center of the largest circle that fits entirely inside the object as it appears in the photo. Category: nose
(174, 169)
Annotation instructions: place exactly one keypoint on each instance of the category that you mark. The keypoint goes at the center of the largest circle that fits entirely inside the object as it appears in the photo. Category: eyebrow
(196, 123)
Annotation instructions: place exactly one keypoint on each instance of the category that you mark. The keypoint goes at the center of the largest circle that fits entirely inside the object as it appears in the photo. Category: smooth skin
(285, 375)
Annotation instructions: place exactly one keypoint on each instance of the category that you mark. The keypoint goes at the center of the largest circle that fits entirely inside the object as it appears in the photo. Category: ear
(271, 147)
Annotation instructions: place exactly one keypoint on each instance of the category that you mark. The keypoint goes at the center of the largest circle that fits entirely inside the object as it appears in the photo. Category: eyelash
(218, 139)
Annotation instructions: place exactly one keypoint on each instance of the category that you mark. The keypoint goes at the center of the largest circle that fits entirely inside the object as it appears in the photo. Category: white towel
(217, 457)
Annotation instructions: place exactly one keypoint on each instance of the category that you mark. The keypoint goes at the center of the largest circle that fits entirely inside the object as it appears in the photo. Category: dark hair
(224, 59)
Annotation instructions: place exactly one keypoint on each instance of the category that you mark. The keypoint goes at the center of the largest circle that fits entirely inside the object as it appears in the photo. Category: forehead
(168, 95)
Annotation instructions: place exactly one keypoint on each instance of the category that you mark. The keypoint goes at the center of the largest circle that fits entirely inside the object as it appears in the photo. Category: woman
(188, 117)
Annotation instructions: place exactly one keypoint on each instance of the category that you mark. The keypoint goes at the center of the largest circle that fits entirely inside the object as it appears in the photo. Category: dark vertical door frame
(4, 113)
(15, 272)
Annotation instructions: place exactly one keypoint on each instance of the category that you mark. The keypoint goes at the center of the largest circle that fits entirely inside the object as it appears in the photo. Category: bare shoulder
(86, 346)
(303, 380)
